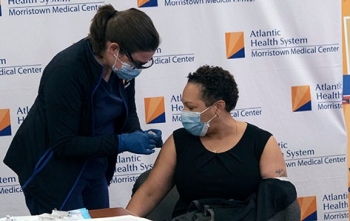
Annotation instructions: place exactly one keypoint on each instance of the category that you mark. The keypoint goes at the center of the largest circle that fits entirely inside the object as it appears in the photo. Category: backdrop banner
(289, 58)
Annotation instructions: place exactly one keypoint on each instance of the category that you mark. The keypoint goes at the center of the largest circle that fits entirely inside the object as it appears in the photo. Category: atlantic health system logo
(308, 208)
(154, 110)
(301, 98)
(147, 3)
(234, 45)
(5, 123)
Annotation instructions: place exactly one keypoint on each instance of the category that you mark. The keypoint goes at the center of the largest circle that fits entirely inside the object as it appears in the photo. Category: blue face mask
(126, 72)
(191, 121)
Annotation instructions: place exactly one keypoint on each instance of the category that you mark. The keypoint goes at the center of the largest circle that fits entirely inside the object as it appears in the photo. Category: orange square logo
(234, 45)
(154, 110)
(5, 122)
(301, 98)
(308, 208)
(147, 3)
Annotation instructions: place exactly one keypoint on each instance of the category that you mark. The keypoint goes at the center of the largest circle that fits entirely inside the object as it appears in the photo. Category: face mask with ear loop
(126, 72)
(191, 121)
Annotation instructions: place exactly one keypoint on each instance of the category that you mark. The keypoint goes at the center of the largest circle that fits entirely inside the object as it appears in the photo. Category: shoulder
(257, 131)
(182, 138)
(74, 51)
(77, 57)
(180, 132)
(258, 138)
(182, 135)
(76, 63)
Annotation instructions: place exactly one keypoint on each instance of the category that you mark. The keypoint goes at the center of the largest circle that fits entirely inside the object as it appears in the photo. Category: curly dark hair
(217, 84)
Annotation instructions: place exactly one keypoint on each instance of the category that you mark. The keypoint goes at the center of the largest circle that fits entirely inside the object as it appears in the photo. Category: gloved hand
(136, 142)
(155, 135)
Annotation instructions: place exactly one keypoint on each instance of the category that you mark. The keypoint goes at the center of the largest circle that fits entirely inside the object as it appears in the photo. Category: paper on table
(20, 218)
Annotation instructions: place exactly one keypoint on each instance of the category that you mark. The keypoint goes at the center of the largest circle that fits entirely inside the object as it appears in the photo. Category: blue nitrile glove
(136, 142)
(156, 135)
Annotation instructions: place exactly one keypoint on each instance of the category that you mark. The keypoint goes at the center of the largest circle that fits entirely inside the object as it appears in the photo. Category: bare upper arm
(158, 182)
(160, 179)
(272, 163)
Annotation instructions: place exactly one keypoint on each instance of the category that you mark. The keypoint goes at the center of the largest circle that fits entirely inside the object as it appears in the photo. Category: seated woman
(213, 156)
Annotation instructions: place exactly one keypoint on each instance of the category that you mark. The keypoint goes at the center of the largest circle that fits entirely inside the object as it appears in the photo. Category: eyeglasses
(138, 64)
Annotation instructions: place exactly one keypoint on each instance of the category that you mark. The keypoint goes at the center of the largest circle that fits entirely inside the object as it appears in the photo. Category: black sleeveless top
(233, 174)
